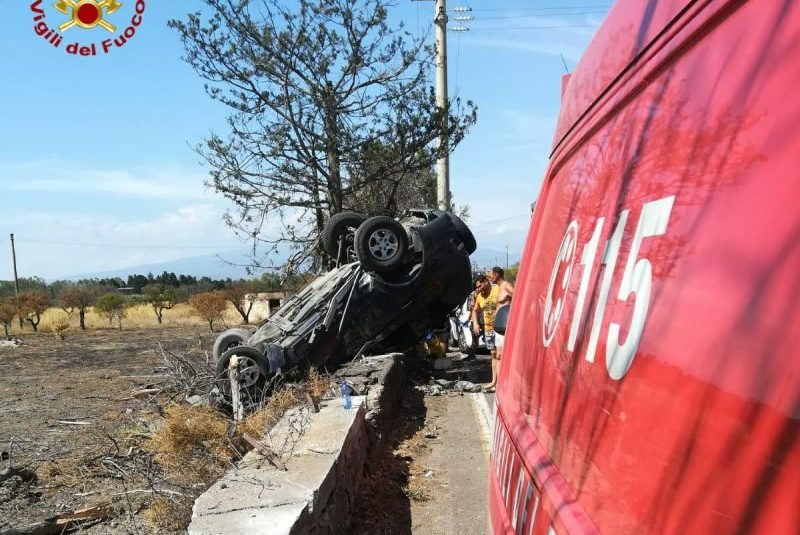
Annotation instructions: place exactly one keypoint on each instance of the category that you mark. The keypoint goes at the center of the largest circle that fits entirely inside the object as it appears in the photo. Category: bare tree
(314, 87)
(242, 295)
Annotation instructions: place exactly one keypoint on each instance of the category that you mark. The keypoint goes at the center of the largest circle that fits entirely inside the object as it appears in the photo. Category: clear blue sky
(97, 150)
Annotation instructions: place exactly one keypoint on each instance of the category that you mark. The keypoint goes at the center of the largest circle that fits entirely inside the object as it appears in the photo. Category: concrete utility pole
(443, 164)
(16, 279)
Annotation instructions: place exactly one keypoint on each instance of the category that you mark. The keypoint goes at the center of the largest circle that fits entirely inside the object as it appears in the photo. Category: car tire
(381, 244)
(254, 372)
(465, 235)
(229, 339)
(341, 225)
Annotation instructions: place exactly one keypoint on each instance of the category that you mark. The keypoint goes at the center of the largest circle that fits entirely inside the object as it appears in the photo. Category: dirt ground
(432, 477)
(69, 417)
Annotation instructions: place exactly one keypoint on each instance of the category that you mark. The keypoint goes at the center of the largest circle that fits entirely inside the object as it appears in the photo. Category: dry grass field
(98, 420)
(137, 317)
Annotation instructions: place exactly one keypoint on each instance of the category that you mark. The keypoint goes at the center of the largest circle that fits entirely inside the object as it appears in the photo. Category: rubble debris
(431, 390)
(440, 385)
(466, 386)
(13, 342)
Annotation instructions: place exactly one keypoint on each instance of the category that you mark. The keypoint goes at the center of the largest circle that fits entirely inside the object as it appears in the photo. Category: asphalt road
(457, 460)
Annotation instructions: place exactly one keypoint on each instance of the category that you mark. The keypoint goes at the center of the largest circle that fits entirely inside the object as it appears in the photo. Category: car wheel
(253, 372)
(340, 227)
(227, 340)
(381, 244)
(465, 235)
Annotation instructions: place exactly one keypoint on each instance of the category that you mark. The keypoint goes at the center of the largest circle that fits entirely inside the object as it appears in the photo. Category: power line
(541, 8)
(534, 27)
(126, 245)
(599, 12)
(502, 219)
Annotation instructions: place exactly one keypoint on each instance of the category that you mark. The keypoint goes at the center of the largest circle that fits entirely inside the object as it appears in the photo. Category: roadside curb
(325, 454)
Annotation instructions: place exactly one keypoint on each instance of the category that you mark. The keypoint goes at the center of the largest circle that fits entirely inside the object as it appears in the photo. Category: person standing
(486, 303)
(473, 349)
(505, 292)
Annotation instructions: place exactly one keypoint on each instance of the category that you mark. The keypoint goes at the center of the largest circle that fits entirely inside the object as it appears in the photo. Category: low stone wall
(325, 454)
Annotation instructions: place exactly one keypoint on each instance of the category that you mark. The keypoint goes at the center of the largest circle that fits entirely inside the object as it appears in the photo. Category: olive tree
(242, 295)
(113, 306)
(210, 306)
(31, 305)
(8, 310)
(77, 298)
(315, 88)
(161, 298)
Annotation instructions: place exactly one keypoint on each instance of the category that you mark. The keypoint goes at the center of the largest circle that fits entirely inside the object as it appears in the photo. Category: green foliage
(113, 306)
(25, 283)
(161, 298)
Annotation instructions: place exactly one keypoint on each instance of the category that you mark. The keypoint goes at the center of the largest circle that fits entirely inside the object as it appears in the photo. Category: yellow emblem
(87, 13)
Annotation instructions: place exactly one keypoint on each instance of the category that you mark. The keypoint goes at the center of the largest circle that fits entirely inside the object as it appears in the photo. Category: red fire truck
(651, 376)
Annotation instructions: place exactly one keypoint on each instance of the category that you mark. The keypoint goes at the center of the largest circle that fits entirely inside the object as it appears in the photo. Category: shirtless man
(504, 294)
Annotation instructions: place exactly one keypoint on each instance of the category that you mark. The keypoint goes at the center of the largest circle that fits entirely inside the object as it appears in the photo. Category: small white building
(264, 304)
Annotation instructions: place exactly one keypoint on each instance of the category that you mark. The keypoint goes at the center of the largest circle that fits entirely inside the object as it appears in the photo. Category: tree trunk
(159, 315)
(211, 325)
(332, 150)
(119, 322)
(5, 327)
(82, 318)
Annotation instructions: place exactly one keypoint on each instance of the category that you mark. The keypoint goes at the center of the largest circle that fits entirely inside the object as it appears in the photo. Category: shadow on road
(382, 505)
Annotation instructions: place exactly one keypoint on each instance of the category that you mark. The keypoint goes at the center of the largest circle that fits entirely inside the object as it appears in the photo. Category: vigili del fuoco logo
(89, 27)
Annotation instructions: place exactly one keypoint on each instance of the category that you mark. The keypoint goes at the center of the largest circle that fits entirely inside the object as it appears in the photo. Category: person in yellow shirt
(486, 302)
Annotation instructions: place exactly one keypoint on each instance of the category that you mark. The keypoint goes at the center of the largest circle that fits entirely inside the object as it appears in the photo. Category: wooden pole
(233, 373)
(16, 279)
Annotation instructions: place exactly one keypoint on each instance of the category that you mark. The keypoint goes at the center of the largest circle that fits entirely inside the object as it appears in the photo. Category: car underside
(391, 283)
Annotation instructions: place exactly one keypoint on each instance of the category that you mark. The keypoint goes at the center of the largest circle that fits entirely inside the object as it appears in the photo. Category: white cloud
(53, 176)
(55, 244)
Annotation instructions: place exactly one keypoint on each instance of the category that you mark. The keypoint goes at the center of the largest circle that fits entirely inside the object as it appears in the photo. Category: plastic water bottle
(346, 402)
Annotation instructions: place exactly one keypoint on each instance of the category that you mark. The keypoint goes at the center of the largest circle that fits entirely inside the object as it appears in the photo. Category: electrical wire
(542, 8)
(125, 246)
(495, 28)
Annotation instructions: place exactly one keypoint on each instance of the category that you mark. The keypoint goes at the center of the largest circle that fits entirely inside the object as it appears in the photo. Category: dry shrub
(169, 515)
(60, 330)
(318, 385)
(193, 443)
(196, 444)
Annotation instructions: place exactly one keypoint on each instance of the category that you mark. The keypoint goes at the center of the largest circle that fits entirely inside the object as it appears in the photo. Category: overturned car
(393, 281)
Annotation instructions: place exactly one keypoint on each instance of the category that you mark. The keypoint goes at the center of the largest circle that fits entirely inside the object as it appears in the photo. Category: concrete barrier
(325, 454)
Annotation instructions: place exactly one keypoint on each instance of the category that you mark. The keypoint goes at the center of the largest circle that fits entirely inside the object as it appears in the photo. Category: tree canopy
(329, 103)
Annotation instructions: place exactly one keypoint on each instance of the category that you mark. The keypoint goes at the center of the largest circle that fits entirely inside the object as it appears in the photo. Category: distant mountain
(199, 266)
(216, 268)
